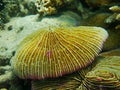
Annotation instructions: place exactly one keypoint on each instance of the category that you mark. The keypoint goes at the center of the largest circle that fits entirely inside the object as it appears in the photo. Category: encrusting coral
(54, 52)
(105, 74)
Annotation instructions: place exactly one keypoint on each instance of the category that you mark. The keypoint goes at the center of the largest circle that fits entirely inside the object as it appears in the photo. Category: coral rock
(53, 52)
(48, 7)
(105, 74)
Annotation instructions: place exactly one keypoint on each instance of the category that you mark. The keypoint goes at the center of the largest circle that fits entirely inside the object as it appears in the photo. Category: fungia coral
(54, 52)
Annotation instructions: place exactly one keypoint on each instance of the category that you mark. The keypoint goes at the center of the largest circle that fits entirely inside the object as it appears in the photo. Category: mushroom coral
(54, 52)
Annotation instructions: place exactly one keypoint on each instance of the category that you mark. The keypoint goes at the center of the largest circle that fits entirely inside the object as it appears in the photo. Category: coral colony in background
(59, 44)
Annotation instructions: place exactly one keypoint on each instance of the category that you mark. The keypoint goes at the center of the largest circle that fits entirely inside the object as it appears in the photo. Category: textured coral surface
(54, 52)
(20, 18)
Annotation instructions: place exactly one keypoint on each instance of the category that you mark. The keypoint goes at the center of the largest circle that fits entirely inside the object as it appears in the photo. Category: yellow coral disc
(54, 52)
